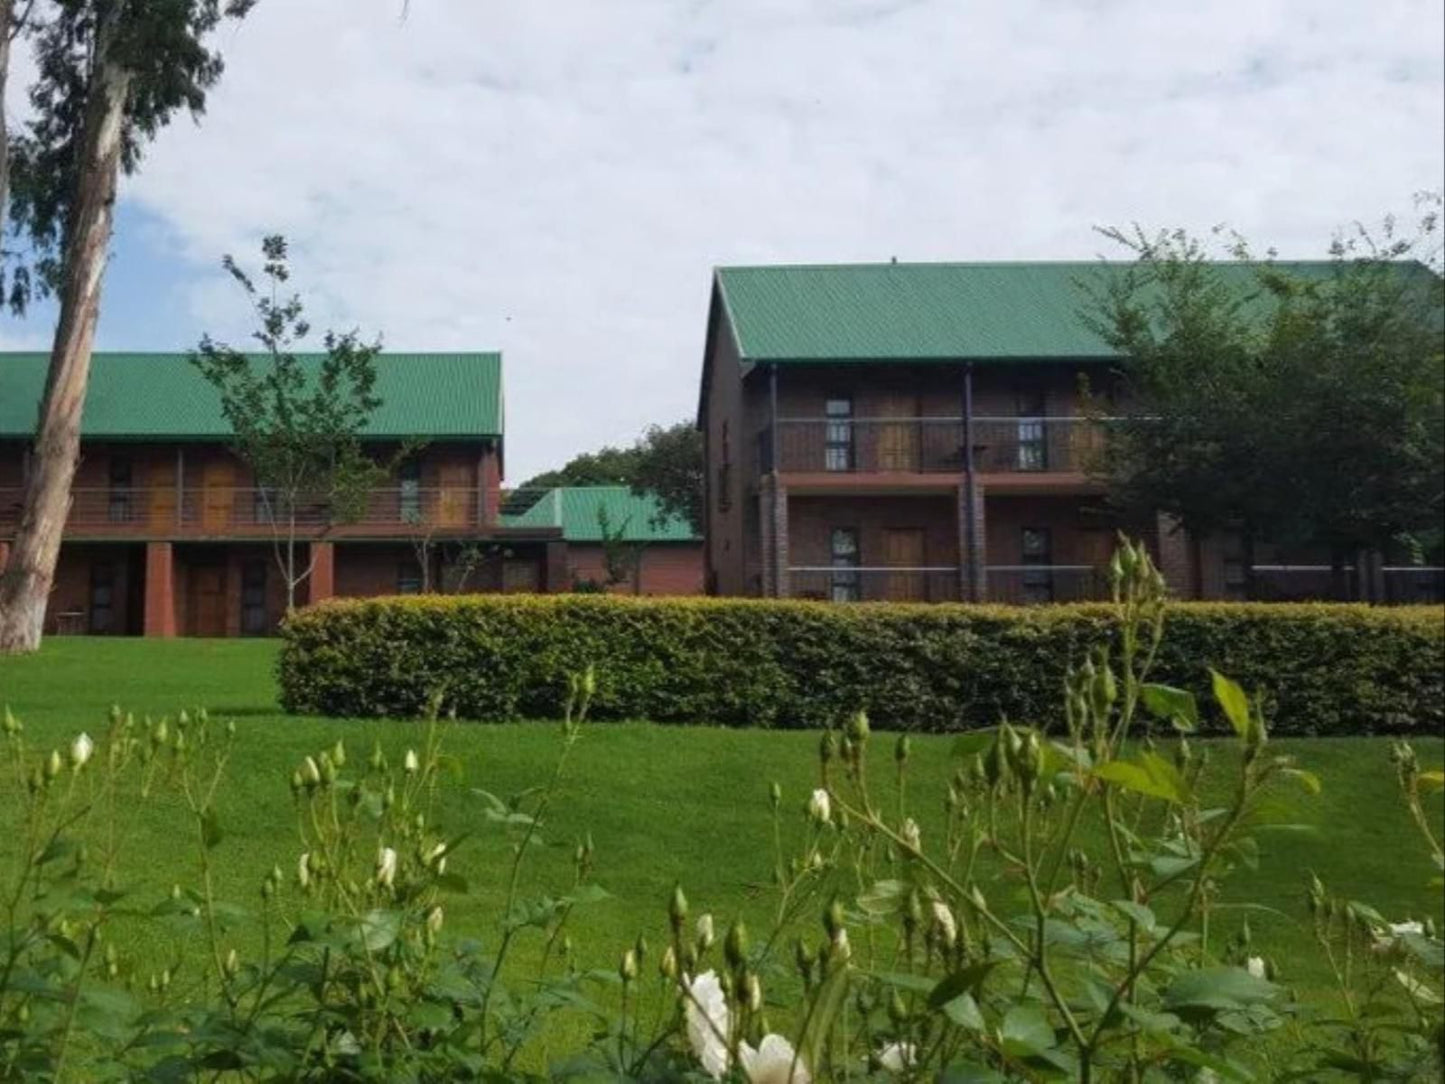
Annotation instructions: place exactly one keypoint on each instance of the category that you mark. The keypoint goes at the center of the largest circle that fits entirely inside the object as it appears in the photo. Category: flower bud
(820, 806)
(310, 772)
(377, 760)
(775, 795)
(232, 964)
(827, 747)
(434, 919)
(754, 988)
(912, 913)
(627, 968)
(12, 724)
(912, 835)
(53, 764)
(735, 945)
(303, 870)
(386, 867)
(858, 728)
(677, 908)
(901, 749)
(338, 753)
(81, 750)
(834, 919)
(667, 966)
(944, 924)
(705, 935)
(411, 765)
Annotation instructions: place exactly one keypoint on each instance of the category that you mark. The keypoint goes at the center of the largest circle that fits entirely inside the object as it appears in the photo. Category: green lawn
(662, 804)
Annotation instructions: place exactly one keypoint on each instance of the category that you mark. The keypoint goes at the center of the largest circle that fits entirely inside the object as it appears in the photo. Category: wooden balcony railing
(225, 510)
(929, 445)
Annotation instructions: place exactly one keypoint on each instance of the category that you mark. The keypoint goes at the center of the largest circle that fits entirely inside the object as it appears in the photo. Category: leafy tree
(299, 429)
(112, 73)
(1301, 407)
(666, 462)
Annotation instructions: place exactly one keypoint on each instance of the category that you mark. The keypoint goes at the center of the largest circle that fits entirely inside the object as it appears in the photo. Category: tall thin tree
(112, 73)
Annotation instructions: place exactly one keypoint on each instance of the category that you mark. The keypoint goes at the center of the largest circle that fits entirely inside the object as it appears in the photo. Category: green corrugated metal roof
(163, 396)
(921, 312)
(575, 509)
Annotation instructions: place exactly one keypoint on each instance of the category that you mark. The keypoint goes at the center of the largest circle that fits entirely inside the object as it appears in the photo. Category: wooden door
(218, 493)
(898, 441)
(161, 495)
(206, 600)
(455, 497)
(903, 549)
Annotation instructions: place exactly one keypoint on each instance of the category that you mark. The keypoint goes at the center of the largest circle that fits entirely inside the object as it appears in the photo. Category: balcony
(1032, 585)
(1017, 585)
(211, 511)
(929, 445)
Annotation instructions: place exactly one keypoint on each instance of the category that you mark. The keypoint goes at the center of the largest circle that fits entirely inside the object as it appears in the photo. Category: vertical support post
(321, 584)
(1176, 556)
(970, 496)
(554, 571)
(160, 592)
(180, 485)
(779, 519)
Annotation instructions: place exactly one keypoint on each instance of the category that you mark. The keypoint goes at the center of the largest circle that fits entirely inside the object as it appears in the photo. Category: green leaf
(211, 833)
(1144, 778)
(1432, 781)
(963, 1011)
(1232, 700)
(1140, 914)
(378, 929)
(967, 980)
(1307, 779)
(971, 1074)
(1026, 1032)
(1176, 705)
(1165, 771)
(1218, 989)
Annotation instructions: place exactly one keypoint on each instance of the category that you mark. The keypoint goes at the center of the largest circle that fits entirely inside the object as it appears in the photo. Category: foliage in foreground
(739, 662)
(1010, 947)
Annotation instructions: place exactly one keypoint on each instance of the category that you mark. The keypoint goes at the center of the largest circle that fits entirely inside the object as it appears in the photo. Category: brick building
(168, 534)
(662, 554)
(913, 432)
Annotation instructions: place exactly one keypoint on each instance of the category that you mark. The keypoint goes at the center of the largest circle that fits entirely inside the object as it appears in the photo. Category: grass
(662, 804)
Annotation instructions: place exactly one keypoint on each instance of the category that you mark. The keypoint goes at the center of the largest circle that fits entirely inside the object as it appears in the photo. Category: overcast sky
(556, 178)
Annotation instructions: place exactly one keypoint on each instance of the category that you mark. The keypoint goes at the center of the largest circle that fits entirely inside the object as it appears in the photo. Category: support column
(160, 593)
(554, 571)
(1176, 558)
(780, 538)
(973, 549)
(765, 536)
(321, 584)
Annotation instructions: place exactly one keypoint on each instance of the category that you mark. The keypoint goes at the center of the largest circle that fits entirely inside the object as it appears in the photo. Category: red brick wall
(810, 520)
(369, 571)
(672, 568)
(71, 590)
(730, 444)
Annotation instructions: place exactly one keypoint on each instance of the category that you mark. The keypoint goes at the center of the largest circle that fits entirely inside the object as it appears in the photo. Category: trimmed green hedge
(1328, 669)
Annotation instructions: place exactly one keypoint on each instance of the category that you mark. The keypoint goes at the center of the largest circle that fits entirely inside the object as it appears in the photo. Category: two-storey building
(909, 432)
(168, 533)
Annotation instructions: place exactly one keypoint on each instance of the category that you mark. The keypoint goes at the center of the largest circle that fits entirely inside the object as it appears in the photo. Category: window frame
(120, 475)
(1036, 586)
(845, 585)
(839, 446)
(254, 618)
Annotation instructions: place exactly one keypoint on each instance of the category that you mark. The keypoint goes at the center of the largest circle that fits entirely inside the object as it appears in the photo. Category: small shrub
(1323, 669)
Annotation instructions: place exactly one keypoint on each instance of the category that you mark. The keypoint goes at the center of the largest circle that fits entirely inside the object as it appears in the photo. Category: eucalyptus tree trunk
(7, 18)
(26, 580)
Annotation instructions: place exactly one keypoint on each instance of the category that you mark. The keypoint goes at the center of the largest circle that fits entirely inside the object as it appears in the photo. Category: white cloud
(557, 179)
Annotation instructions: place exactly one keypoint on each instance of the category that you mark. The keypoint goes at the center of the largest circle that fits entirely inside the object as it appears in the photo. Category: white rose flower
(1255, 966)
(80, 750)
(708, 1023)
(896, 1057)
(773, 1062)
(820, 806)
(386, 867)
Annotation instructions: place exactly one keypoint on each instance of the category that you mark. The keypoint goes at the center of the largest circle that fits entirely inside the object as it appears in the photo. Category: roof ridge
(1097, 261)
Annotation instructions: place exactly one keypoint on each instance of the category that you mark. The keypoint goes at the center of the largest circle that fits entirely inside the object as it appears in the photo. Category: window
(102, 597)
(845, 585)
(724, 473)
(409, 495)
(119, 503)
(1037, 549)
(408, 578)
(253, 598)
(838, 434)
(1033, 445)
